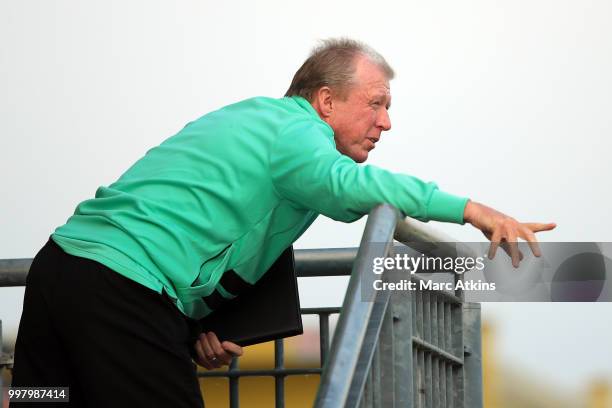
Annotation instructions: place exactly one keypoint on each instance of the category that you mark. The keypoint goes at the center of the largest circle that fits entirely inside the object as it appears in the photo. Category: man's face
(360, 118)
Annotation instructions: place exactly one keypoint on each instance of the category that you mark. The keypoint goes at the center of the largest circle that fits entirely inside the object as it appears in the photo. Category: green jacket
(230, 192)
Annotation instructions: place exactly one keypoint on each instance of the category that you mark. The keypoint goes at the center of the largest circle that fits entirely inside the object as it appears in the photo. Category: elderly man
(111, 299)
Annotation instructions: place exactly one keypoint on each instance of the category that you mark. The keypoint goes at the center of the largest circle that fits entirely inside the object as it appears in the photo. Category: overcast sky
(505, 102)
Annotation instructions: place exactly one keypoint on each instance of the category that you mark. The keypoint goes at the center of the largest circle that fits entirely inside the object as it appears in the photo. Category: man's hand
(214, 354)
(504, 231)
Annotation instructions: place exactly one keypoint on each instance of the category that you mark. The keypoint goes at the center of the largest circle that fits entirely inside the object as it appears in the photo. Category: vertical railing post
(323, 336)
(387, 350)
(234, 395)
(458, 373)
(402, 364)
(473, 355)
(279, 379)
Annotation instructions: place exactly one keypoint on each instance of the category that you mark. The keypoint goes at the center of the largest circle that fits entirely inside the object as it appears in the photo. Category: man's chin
(358, 157)
(361, 157)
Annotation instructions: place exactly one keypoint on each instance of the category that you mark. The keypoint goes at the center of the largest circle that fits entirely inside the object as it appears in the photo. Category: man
(110, 300)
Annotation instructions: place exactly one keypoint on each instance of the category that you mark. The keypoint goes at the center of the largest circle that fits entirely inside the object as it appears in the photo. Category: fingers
(510, 247)
(209, 352)
(212, 354)
(222, 356)
(202, 359)
(506, 247)
(495, 241)
(538, 227)
(513, 246)
(232, 348)
(533, 242)
(528, 234)
(506, 235)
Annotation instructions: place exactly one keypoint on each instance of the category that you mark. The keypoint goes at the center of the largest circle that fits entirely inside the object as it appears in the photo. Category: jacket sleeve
(307, 169)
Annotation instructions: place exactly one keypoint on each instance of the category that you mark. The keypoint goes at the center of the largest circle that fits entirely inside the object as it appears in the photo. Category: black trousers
(114, 342)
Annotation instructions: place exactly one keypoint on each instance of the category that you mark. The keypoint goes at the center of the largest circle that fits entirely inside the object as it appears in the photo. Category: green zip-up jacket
(208, 211)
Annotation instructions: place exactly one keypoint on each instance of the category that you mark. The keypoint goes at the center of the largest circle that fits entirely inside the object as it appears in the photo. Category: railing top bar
(426, 239)
(324, 262)
(15, 265)
(308, 263)
(13, 272)
(333, 260)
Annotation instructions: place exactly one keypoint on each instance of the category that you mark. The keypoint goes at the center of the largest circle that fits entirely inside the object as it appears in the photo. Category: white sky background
(508, 103)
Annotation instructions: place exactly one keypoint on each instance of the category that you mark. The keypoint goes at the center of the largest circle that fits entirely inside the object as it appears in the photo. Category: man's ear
(323, 102)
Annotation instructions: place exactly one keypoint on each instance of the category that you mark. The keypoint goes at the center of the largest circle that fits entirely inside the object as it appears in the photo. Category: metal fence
(402, 349)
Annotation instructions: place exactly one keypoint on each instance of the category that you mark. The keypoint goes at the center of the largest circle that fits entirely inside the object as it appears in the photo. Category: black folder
(269, 310)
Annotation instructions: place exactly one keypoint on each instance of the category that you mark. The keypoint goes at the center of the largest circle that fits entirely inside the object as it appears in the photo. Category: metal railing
(402, 349)
(409, 348)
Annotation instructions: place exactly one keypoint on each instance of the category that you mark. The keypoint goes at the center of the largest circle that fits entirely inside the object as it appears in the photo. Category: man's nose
(383, 120)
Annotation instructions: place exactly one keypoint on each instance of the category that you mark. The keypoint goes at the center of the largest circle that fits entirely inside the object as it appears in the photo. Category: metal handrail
(308, 263)
(13, 272)
(427, 240)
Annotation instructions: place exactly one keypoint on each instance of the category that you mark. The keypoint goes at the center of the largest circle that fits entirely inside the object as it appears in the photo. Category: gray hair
(332, 64)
